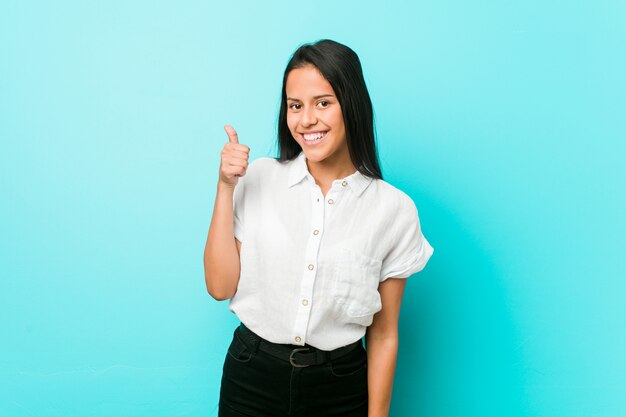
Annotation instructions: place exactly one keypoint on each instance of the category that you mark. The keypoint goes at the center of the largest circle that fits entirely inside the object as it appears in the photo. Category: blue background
(504, 121)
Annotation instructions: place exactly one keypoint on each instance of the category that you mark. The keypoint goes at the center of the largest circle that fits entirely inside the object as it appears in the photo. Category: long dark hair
(341, 67)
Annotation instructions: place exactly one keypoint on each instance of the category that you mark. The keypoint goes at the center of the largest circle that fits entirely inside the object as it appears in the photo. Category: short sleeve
(238, 208)
(410, 251)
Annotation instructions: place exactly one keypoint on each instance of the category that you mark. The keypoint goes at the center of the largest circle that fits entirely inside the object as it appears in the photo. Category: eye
(324, 103)
(294, 106)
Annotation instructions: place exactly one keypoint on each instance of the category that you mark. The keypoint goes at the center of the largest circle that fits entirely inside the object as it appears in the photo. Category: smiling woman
(316, 122)
(304, 246)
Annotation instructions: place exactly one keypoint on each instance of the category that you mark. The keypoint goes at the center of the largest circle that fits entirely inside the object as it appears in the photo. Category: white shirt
(311, 265)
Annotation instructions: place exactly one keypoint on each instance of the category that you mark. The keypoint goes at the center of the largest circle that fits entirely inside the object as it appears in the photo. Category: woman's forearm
(221, 259)
(382, 353)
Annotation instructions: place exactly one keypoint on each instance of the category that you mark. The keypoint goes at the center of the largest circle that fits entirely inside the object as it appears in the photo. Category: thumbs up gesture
(234, 162)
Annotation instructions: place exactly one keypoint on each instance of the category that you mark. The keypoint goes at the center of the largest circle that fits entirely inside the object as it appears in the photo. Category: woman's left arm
(381, 342)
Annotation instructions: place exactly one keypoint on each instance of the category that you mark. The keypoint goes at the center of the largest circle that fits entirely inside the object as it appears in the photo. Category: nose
(308, 117)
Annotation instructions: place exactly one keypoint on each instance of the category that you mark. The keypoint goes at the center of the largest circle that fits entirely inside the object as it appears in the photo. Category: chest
(301, 225)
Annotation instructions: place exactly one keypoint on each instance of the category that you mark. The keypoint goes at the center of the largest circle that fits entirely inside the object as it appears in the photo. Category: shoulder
(263, 170)
(263, 163)
(262, 166)
(392, 197)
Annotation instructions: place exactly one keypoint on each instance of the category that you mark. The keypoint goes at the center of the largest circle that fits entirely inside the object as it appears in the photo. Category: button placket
(334, 194)
(305, 297)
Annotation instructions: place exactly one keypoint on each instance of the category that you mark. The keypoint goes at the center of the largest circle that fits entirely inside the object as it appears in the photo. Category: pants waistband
(300, 356)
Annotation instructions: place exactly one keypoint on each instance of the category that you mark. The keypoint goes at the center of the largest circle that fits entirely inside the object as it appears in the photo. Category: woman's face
(314, 116)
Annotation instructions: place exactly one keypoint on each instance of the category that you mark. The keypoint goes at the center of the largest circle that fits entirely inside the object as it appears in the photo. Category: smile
(313, 138)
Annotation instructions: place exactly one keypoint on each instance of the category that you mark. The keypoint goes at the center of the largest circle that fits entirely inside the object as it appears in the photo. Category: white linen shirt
(311, 264)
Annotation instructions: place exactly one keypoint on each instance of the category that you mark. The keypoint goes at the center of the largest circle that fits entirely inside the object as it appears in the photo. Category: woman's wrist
(225, 187)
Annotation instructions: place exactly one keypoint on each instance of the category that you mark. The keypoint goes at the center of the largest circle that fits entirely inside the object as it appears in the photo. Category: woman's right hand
(234, 162)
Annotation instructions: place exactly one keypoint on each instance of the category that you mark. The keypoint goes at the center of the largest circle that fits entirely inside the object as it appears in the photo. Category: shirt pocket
(354, 287)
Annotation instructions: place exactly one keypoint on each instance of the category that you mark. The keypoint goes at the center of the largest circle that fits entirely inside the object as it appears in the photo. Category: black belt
(298, 356)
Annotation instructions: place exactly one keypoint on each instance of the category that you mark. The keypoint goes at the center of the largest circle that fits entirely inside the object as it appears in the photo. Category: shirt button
(330, 201)
(305, 302)
(316, 232)
(298, 339)
(344, 183)
(310, 267)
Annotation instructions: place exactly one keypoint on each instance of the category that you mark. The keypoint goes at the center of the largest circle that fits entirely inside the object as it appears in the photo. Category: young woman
(311, 248)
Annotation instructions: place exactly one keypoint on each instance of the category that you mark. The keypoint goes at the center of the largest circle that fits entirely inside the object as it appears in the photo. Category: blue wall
(505, 122)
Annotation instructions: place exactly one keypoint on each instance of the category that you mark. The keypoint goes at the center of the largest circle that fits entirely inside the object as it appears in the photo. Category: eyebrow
(316, 97)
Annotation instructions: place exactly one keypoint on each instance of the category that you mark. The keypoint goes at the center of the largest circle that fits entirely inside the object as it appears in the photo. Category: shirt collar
(298, 170)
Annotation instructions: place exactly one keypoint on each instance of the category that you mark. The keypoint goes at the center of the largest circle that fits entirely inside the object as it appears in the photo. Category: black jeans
(256, 384)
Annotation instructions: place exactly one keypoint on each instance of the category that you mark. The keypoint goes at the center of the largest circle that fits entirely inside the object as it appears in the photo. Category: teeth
(314, 136)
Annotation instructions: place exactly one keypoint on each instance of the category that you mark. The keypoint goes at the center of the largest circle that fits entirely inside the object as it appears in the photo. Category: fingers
(238, 163)
(233, 166)
(234, 162)
(232, 134)
(239, 154)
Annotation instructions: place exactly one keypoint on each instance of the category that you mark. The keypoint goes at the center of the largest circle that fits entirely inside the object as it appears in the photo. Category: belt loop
(324, 356)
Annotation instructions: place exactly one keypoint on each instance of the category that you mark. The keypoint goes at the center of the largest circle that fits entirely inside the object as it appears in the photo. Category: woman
(304, 245)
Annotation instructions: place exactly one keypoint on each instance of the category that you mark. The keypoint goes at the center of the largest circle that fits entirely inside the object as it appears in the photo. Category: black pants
(256, 384)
